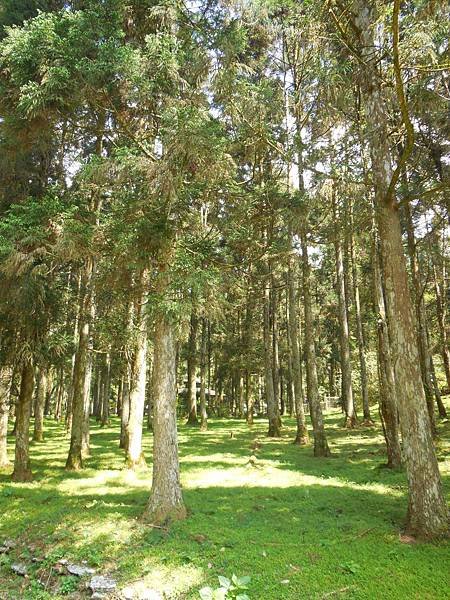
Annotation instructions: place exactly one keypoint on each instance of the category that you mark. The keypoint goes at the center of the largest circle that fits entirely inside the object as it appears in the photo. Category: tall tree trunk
(344, 339)
(320, 440)
(166, 501)
(275, 353)
(359, 327)
(5, 386)
(301, 436)
(272, 408)
(38, 432)
(192, 371)
(22, 471)
(133, 451)
(441, 317)
(75, 459)
(388, 394)
(428, 514)
(106, 390)
(421, 325)
(203, 357)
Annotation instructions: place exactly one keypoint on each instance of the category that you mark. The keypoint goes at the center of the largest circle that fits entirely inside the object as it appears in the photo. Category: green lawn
(300, 527)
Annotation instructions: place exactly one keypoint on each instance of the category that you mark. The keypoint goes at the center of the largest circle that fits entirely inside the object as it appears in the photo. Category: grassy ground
(302, 528)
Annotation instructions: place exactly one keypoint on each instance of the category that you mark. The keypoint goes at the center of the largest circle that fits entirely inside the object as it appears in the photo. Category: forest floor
(300, 527)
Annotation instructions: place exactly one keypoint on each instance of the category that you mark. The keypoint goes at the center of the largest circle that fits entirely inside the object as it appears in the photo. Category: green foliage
(230, 589)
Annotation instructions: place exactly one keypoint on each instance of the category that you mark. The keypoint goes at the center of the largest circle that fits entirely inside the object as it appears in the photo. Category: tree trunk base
(133, 463)
(350, 422)
(164, 515)
(274, 431)
(5, 464)
(74, 463)
(38, 437)
(192, 422)
(321, 450)
(22, 476)
(368, 423)
(204, 426)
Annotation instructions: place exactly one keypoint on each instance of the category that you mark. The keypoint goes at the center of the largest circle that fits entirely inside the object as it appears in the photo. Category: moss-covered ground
(301, 527)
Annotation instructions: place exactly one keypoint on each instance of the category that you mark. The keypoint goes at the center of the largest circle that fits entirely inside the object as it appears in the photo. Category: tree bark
(166, 501)
(344, 340)
(75, 458)
(22, 471)
(301, 436)
(5, 385)
(203, 356)
(320, 439)
(272, 408)
(192, 371)
(428, 514)
(133, 451)
(38, 432)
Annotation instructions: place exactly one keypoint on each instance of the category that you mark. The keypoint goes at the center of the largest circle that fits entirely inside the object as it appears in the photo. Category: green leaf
(224, 582)
(242, 597)
(206, 593)
(220, 594)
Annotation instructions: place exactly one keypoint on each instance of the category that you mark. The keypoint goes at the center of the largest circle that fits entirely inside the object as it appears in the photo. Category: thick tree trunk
(428, 514)
(133, 452)
(203, 357)
(75, 459)
(166, 501)
(320, 440)
(192, 371)
(125, 414)
(301, 436)
(5, 385)
(22, 471)
(344, 336)
(38, 432)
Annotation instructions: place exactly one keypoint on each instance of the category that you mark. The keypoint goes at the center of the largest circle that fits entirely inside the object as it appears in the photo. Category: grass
(302, 528)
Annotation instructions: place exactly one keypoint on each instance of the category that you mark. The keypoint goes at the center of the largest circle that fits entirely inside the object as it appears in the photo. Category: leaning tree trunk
(5, 384)
(166, 501)
(344, 339)
(75, 458)
(22, 471)
(192, 371)
(38, 432)
(428, 514)
(301, 436)
(320, 439)
(133, 451)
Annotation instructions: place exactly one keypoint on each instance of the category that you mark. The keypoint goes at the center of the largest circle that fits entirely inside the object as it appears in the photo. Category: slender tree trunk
(5, 385)
(359, 328)
(388, 394)
(38, 432)
(320, 440)
(106, 390)
(428, 514)
(22, 471)
(75, 459)
(192, 371)
(344, 339)
(166, 501)
(133, 451)
(272, 412)
(203, 357)
(421, 331)
(301, 436)
(441, 317)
